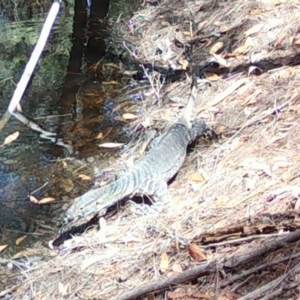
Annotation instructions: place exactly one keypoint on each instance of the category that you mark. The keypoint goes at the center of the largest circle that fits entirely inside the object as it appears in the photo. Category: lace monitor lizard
(150, 174)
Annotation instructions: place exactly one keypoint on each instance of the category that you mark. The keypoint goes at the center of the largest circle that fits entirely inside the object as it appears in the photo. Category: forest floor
(232, 230)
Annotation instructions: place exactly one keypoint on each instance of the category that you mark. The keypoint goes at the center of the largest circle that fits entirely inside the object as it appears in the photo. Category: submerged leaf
(111, 145)
(11, 138)
(46, 200)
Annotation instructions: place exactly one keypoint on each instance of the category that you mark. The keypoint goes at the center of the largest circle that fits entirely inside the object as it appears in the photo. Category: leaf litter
(250, 198)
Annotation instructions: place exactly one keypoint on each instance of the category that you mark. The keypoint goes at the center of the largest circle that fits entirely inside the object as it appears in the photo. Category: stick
(35, 55)
(234, 261)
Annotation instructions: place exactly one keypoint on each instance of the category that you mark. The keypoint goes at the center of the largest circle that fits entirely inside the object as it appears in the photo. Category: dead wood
(248, 229)
(257, 269)
(188, 275)
(284, 282)
(238, 260)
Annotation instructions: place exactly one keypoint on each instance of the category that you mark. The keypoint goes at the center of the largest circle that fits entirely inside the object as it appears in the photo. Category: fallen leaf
(101, 234)
(3, 247)
(151, 296)
(202, 296)
(223, 62)
(256, 28)
(184, 63)
(177, 268)
(224, 29)
(111, 145)
(226, 93)
(84, 177)
(212, 77)
(296, 42)
(177, 295)
(202, 25)
(249, 43)
(129, 116)
(11, 138)
(46, 200)
(254, 164)
(201, 176)
(19, 108)
(222, 200)
(20, 240)
(196, 253)
(256, 11)
(63, 289)
(164, 263)
(216, 47)
(33, 199)
(230, 295)
(99, 136)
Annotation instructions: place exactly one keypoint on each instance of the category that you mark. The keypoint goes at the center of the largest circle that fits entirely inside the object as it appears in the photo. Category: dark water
(66, 96)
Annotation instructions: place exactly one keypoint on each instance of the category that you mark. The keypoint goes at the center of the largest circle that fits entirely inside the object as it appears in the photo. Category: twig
(243, 239)
(276, 284)
(257, 269)
(200, 271)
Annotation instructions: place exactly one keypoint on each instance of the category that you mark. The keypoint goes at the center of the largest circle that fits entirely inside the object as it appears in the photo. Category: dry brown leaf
(3, 247)
(231, 295)
(150, 296)
(33, 199)
(202, 296)
(177, 268)
(216, 47)
(249, 100)
(254, 29)
(177, 295)
(256, 11)
(46, 200)
(202, 25)
(249, 43)
(129, 116)
(196, 253)
(111, 145)
(296, 42)
(84, 177)
(184, 63)
(99, 136)
(201, 176)
(164, 263)
(20, 240)
(212, 77)
(224, 29)
(11, 138)
(223, 62)
(226, 93)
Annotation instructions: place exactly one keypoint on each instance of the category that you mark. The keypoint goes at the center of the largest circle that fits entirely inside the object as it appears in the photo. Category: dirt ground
(232, 230)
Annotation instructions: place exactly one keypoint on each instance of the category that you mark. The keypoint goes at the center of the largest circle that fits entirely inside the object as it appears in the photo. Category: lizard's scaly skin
(149, 176)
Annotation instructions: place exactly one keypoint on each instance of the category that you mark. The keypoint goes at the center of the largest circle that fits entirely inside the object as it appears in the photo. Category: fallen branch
(275, 287)
(257, 269)
(234, 261)
(200, 271)
(30, 66)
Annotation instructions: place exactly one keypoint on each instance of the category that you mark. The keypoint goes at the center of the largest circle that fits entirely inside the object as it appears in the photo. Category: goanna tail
(91, 203)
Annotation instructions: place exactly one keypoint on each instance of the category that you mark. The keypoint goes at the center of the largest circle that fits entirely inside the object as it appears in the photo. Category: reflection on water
(26, 164)
(70, 94)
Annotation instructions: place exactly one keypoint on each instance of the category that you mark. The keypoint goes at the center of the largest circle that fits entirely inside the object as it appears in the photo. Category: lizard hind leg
(158, 189)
